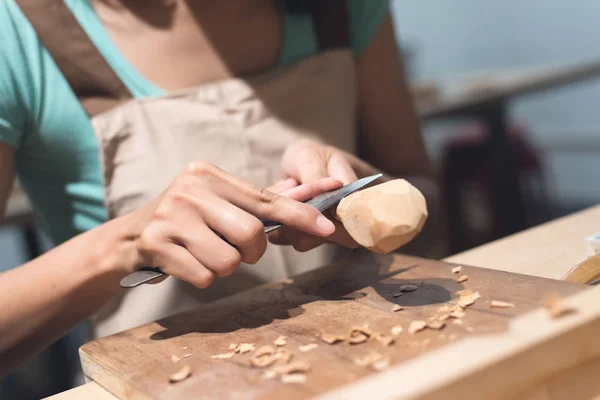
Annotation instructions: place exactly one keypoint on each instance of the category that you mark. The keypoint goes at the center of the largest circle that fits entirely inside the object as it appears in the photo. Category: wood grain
(355, 291)
(585, 272)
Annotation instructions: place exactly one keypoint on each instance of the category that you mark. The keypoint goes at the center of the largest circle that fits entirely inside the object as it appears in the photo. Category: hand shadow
(344, 280)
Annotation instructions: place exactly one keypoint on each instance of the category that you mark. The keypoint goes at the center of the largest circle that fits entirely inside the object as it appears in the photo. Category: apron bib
(242, 125)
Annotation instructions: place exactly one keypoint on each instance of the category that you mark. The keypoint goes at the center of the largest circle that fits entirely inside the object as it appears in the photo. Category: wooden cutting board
(136, 364)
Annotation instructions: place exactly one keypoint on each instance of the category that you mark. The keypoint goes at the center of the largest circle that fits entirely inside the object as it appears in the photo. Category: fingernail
(325, 225)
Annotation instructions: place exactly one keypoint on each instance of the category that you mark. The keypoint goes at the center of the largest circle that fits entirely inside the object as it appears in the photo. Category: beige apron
(242, 125)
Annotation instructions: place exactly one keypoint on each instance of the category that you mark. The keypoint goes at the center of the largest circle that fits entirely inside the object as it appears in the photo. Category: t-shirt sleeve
(366, 17)
(13, 74)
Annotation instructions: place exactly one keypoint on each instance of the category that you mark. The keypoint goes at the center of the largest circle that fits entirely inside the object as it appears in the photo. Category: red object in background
(467, 190)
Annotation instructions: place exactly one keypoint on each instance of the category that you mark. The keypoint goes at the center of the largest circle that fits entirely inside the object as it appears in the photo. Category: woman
(165, 118)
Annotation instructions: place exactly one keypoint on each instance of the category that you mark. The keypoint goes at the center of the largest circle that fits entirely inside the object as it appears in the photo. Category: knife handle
(587, 271)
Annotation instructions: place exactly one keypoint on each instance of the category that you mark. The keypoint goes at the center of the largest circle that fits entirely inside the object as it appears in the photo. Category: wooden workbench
(548, 250)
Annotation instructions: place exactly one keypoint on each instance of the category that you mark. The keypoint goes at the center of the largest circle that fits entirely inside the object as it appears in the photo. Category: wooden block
(384, 217)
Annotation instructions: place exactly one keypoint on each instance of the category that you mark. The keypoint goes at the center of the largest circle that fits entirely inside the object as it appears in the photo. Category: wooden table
(489, 104)
(548, 250)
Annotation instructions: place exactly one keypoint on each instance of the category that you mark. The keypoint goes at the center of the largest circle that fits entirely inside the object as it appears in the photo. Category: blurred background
(508, 93)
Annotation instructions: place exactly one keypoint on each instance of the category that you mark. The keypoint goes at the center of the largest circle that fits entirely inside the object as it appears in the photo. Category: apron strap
(331, 23)
(91, 78)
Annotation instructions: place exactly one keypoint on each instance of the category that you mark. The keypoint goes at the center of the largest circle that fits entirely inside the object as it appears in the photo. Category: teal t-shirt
(57, 153)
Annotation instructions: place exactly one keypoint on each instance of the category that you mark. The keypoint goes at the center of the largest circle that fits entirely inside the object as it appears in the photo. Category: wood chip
(297, 366)
(385, 340)
(363, 329)
(443, 317)
(557, 308)
(280, 341)
(457, 270)
(185, 348)
(331, 339)
(263, 361)
(233, 346)
(283, 355)
(396, 295)
(416, 326)
(396, 330)
(397, 307)
(458, 313)
(369, 359)
(446, 309)
(358, 338)
(381, 364)
(467, 298)
(294, 378)
(264, 350)
(435, 324)
(244, 348)
(457, 322)
(182, 374)
(407, 288)
(501, 304)
(267, 375)
(187, 355)
(307, 347)
(174, 358)
(462, 279)
(224, 356)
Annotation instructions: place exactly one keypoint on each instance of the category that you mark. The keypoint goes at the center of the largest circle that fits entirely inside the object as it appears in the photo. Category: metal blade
(321, 203)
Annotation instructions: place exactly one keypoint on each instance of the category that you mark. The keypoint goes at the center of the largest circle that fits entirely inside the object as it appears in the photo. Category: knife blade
(321, 202)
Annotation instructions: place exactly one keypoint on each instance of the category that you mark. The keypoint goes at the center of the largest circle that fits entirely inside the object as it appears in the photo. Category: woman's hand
(207, 222)
(308, 162)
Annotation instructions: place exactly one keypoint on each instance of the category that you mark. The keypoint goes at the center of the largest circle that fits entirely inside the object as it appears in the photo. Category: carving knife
(321, 203)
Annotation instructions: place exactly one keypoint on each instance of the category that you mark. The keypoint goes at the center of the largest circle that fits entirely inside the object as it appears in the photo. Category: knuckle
(150, 239)
(203, 279)
(251, 231)
(266, 197)
(229, 263)
(254, 253)
(200, 168)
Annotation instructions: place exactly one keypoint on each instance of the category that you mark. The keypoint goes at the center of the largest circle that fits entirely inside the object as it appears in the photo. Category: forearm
(46, 297)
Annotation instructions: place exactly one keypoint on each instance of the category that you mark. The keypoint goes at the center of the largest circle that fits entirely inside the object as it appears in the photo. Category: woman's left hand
(307, 162)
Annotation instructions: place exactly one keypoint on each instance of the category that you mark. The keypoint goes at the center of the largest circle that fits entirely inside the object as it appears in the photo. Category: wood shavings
(232, 346)
(283, 355)
(185, 348)
(406, 289)
(381, 364)
(357, 338)
(456, 270)
(385, 340)
(435, 324)
(501, 304)
(445, 309)
(396, 295)
(458, 313)
(462, 279)
(369, 359)
(397, 307)
(396, 330)
(457, 322)
(467, 298)
(174, 358)
(280, 341)
(294, 378)
(182, 374)
(187, 355)
(331, 339)
(557, 308)
(307, 347)
(264, 350)
(268, 375)
(416, 326)
(297, 366)
(224, 356)
(244, 348)
(364, 329)
(443, 317)
(266, 360)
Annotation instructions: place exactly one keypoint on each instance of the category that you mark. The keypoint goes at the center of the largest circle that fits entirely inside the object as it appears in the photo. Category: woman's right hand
(179, 231)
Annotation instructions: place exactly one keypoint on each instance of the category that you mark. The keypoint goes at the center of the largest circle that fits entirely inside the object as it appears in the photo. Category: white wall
(453, 37)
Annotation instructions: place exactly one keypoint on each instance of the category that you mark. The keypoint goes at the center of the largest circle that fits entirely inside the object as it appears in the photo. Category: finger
(240, 229)
(283, 185)
(177, 261)
(211, 250)
(339, 168)
(308, 191)
(266, 204)
(301, 241)
(311, 166)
